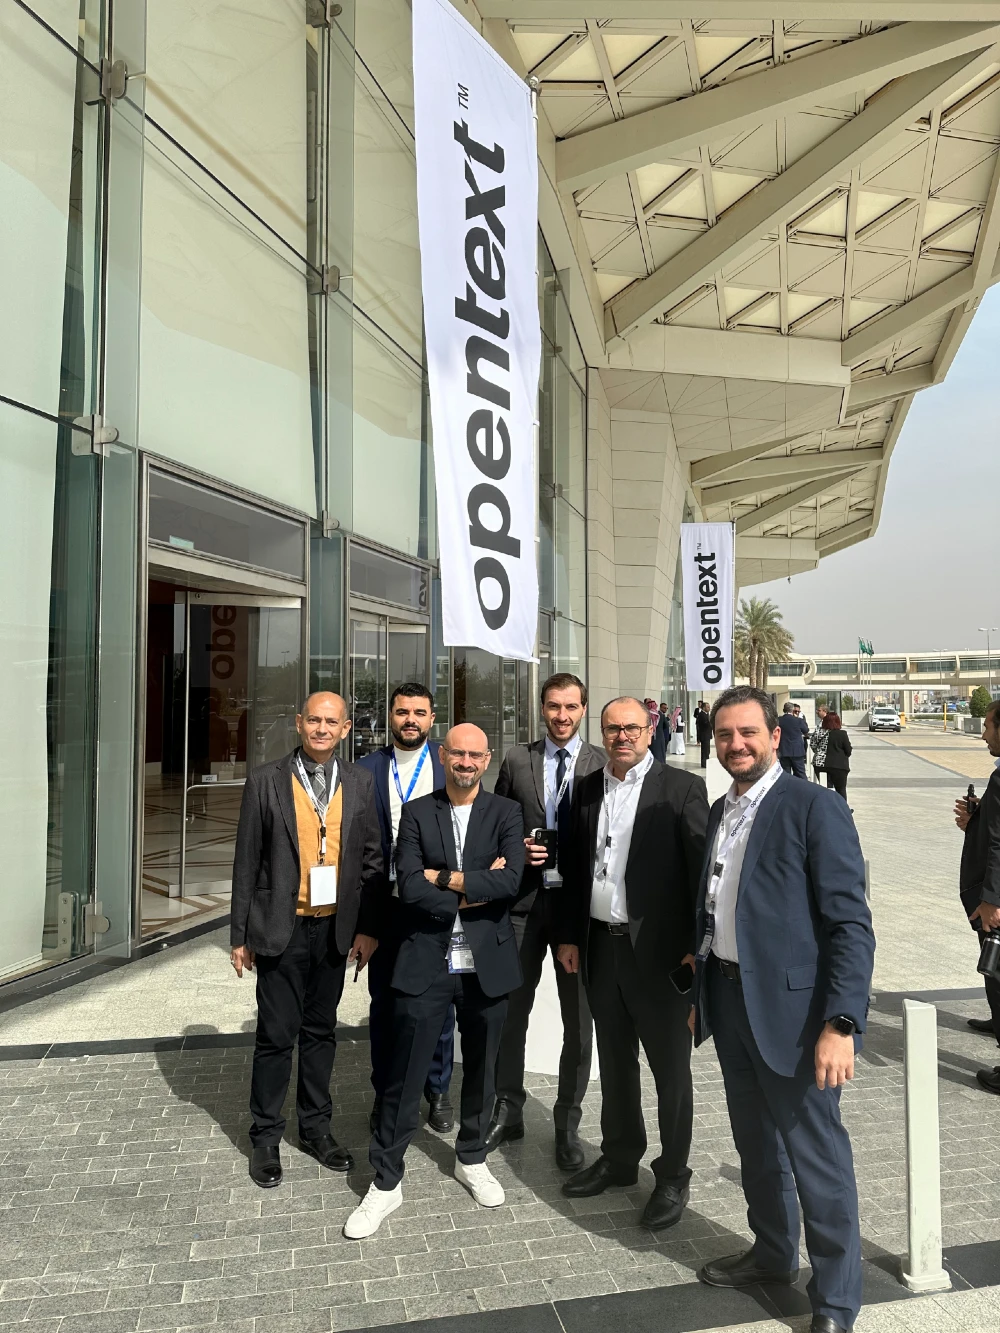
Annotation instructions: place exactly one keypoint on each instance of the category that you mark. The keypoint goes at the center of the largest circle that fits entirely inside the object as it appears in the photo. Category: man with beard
(626, 923)
(541, 777)
(458, 864)
(403, 771)
(782, 977)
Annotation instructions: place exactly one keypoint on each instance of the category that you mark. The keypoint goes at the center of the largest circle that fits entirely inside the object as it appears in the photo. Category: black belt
(731, 971)
(612, 927)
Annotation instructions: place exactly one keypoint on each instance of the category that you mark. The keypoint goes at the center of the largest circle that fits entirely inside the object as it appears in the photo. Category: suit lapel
(536, 753)
(348, 781)
(382, 789)
(283, 778)
(762, 822)
(447, 831)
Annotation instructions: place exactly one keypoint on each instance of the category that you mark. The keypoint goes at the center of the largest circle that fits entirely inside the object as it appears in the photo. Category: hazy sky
(931, 573)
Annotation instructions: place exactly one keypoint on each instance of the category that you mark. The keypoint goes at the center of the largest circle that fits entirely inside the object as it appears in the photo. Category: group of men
(665, 920)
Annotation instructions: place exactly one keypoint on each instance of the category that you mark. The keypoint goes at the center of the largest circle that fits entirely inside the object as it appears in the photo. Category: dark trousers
(794, 764)
(706, 749)
(837, 779)
(297, 996)
(793, 1149)
(626, 1014)
(992, 990)
(380, 1015)
(536, 935)
(416, 1026)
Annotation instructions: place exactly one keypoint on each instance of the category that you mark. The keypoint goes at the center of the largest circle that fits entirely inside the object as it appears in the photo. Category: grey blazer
(266, 866)
(522, 779)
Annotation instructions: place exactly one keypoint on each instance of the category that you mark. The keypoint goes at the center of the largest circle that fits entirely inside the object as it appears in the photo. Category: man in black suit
(783, 975)
(308, 896)
(979, 878)
(627, 922)
(540, 777)
(703, 731)
(459, 860)
(792, 742)
(404, 771)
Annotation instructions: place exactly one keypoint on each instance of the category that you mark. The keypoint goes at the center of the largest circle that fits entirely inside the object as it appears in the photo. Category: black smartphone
(682, 979)
(549, 839)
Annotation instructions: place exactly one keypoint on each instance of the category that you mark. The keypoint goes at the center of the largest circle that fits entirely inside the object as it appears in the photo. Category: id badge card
(322, 886)
(551, 879)
(460, 957)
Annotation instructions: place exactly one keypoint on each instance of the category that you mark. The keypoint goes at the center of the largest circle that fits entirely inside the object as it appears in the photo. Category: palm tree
(760, 639)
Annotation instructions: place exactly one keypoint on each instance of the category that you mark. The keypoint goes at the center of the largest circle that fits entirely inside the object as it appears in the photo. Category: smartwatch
(443, 879)
(846, 1026)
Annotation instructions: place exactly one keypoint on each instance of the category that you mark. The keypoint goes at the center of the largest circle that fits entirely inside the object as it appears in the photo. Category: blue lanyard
(416, 773)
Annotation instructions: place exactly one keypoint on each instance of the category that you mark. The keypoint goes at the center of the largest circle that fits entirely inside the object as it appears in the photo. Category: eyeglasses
(477, 756)
(632, 730)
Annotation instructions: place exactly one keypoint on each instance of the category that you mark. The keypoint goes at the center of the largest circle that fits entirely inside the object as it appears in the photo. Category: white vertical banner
(708, 565)
(477, 205)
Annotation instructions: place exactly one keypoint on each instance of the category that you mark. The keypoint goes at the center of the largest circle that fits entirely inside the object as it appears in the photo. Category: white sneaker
(481, 1183)
(372, 1211)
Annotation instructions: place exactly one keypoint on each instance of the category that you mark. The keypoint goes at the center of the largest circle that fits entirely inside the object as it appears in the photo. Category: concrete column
(602, 593)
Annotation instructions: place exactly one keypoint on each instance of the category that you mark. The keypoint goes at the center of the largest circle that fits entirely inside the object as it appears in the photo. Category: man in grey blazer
(540, 777)
(308, 897)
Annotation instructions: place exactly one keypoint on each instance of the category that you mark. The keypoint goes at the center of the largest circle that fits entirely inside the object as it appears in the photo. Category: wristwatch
(846, 1026)
(443, 879)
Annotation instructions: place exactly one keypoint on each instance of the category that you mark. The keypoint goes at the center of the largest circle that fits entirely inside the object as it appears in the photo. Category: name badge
(551, 879)
(460, 957)
(322, 886)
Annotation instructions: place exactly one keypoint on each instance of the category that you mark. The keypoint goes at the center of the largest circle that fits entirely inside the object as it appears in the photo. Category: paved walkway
(125, 1204)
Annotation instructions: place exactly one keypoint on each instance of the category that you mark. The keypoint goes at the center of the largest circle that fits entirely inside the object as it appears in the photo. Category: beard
(465, 780)
(410, 742)
(755, 772)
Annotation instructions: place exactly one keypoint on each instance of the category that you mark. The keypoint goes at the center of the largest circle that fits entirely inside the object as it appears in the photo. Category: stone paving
(125, 1203)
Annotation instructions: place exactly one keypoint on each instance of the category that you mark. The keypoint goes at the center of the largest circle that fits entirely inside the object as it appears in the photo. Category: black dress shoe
(741, 1270)
(989, 1080)
(441, 1116)
(984, 1025)
(822, 1323)
(328, 1152)
(506, 1127)
(597, 1178)
(374, 1114)
(665, 1206)
(265, 1167)
(569, 1150)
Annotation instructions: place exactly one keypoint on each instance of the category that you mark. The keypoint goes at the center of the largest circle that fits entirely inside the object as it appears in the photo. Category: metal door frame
(388, 616)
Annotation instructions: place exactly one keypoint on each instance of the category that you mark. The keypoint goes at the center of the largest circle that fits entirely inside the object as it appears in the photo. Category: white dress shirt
(724, 941)
(551, 766)
(617, 817)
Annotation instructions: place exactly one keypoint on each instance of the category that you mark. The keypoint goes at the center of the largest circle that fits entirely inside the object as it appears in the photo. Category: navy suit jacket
(803, 927)
(794, 731)
(378, 765)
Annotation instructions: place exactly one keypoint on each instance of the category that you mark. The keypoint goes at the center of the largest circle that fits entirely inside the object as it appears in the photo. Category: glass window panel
(47, 545)
(387, 580)
(194, 518)
(47, 169)
(224, 339)
(382, 35)
(229, 83)
(389, 475)
(569, 652)
(326, 613)
(570, 562)
(477, 699)
(440, 666)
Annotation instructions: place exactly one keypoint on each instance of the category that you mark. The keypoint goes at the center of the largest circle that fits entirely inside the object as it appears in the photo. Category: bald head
(466, 756)
(322, 724)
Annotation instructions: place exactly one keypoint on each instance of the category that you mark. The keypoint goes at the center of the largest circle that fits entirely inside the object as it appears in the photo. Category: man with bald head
(459, 859)
(308, 897)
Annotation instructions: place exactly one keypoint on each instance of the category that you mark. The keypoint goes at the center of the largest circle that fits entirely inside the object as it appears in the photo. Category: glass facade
(215, 451)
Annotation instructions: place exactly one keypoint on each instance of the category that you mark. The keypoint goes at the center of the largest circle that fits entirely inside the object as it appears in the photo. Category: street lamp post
(988, 630)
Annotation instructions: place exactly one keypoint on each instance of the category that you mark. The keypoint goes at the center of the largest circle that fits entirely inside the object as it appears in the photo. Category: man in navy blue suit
(408, 768)
(782, 978)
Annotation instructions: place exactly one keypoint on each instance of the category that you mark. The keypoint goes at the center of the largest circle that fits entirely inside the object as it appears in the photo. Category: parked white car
(884, 719)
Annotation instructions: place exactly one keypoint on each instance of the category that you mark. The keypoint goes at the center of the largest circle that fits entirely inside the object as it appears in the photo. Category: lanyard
(727, 846)
(416, 773)
(320, 810)
(567, 779)
(609, 815)
(457, 830)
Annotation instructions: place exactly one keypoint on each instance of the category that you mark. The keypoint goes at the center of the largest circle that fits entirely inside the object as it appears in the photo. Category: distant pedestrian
(677, 731)
(703, 730)
(662, 733)
(792, 748)
(979, 877)
(817, 743)
(836, 754)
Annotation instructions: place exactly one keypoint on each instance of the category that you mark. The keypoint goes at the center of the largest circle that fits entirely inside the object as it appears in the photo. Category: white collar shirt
(616, 821)
(551, 766)
(724, 940)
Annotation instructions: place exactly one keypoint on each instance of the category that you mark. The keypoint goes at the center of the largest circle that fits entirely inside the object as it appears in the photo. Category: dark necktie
(562, 812)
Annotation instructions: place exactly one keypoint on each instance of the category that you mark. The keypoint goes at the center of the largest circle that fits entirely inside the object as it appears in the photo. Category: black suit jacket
(522, 778)
(838, 751)
(703, 725)
(427, 842)
(266, 866)
(979, 876)
(378, 765)
(661, 876)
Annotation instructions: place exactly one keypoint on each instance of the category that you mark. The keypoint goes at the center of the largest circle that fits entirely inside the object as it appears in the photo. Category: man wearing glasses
(627, 917)
(459, 860)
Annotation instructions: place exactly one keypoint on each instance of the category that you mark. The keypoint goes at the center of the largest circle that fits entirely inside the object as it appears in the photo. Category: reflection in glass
(368, 680)
(387, 580)
(326, 613)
